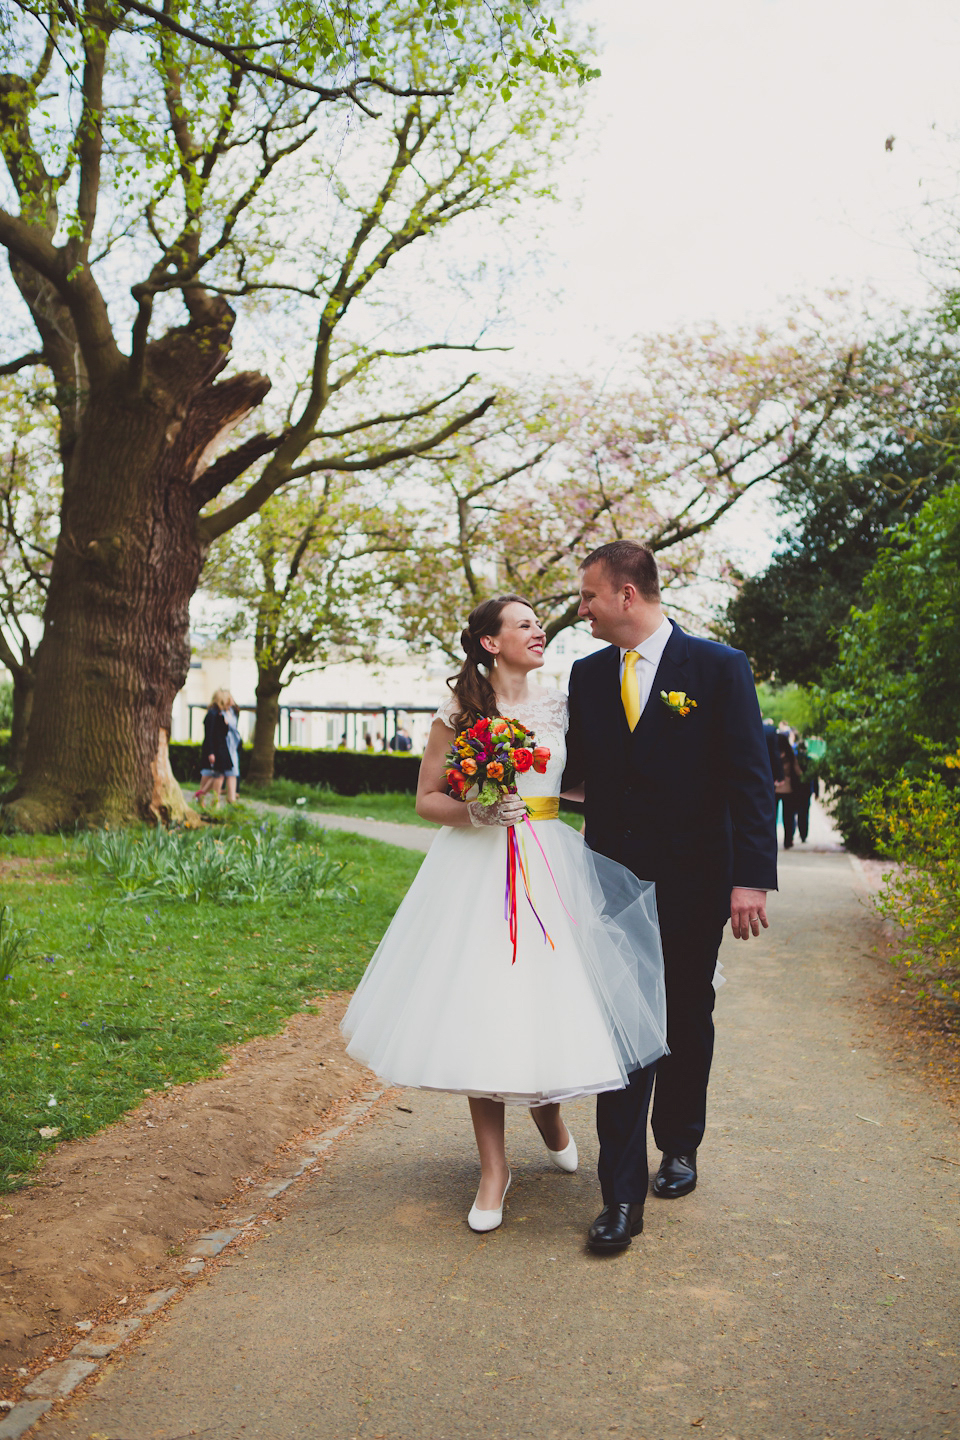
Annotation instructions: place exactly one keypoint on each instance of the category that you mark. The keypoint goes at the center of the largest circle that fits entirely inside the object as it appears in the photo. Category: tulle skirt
(443, 1006)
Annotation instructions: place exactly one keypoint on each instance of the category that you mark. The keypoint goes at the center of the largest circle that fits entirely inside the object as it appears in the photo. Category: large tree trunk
(269, 686)
(24, 680)
(116, 638)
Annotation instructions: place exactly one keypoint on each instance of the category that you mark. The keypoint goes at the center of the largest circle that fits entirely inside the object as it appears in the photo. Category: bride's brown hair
(472, 691)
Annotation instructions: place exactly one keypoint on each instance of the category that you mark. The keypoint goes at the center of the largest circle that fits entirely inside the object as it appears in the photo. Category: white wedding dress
(441, 1005)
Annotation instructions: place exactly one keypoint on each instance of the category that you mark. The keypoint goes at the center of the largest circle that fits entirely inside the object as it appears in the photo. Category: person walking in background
(789, 789)
(234, 746)
(401, 740)
(215, 756)
(773, 748)
(809, 786)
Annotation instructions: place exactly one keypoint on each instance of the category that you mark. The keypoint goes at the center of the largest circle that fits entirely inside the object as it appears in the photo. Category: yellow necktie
(630, 689)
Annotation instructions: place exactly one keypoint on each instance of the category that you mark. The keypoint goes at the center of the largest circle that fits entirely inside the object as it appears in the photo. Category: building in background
(408, 690)
(359, 694)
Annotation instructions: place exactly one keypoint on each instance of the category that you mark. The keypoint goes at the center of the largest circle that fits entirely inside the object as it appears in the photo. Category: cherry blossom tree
(693, 422)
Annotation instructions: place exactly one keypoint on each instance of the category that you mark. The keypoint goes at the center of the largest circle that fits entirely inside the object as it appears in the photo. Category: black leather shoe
(615, 1227)
(677, 1176)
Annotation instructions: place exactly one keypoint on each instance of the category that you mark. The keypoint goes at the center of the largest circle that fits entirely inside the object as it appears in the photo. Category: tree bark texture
(116, 646)
(24, 680)
(263, 753)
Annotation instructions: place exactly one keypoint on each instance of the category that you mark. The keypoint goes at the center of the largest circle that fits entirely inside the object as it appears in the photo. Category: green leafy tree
(895, 688)
(300, 583)
(895, 448)
(786, 702)
(788, 618)
(183, 178)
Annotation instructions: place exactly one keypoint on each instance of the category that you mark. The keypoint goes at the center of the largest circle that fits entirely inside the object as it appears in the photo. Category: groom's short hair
(627, 562)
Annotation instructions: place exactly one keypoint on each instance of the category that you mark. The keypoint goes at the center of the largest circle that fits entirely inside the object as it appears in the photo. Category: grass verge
(394, 805)
(105, 998)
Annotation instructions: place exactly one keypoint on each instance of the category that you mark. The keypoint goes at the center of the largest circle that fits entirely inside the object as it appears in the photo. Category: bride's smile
(520, 642)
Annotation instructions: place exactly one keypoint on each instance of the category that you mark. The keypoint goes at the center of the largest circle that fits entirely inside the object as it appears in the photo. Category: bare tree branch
(211, 526)
(36, 357)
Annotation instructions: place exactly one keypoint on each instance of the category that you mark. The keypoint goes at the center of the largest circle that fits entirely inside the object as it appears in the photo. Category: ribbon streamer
(517, 863)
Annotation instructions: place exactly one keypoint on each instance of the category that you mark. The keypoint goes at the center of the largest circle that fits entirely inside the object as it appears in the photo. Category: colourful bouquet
(490, 756)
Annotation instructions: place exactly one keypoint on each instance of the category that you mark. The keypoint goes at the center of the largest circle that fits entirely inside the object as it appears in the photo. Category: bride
(443, 1005)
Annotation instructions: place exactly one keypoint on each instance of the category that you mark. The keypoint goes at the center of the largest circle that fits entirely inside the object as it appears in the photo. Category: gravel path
(807, 1288)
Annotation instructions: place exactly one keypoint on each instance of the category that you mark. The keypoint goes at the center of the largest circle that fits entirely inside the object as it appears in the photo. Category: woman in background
(215, 759)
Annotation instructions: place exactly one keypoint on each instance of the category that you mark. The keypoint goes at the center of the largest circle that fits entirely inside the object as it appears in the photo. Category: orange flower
(468, 766)
(494, 770)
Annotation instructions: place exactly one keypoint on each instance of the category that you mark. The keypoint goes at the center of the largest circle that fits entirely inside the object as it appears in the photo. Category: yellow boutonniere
(678, 701)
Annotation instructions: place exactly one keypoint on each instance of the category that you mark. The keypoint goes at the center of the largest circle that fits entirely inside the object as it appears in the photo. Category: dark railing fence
(353, 716)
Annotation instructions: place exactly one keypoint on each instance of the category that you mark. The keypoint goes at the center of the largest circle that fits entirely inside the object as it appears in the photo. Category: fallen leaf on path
(49, 1132)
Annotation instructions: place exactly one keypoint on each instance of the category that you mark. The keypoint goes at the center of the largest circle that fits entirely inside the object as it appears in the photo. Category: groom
(665, 733)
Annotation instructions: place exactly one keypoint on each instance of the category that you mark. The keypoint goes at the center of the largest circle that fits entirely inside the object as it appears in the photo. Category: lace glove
(511, 810)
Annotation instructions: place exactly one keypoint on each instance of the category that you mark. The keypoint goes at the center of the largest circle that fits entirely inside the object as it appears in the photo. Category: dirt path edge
(110, 1219)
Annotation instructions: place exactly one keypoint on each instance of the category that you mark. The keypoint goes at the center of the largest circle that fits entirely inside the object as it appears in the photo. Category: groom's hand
(748, 911)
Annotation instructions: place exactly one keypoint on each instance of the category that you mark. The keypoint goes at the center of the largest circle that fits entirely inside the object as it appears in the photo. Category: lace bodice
(546, 716)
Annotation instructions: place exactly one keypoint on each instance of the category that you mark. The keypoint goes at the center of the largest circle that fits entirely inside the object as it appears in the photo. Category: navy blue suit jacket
(688, 800)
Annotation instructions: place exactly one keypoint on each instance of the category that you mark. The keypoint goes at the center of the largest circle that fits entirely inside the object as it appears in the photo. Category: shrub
(896, 687)
(345, 771)
(917, 823)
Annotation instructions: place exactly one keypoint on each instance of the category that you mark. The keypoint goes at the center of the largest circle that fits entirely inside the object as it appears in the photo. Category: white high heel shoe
(483, 1220)
(567, 1158)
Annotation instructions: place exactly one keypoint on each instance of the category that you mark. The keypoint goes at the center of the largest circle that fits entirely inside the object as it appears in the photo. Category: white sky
(735, 158)
(739, 158)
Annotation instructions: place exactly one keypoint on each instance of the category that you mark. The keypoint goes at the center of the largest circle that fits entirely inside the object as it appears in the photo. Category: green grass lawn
(105, 998)
(394, 805)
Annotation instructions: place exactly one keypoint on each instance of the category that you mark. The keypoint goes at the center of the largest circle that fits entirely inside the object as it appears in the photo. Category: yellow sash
(542, 807)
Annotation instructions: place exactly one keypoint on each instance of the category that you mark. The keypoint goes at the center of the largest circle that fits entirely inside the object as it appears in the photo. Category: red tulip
(541, 755)
(522, 759)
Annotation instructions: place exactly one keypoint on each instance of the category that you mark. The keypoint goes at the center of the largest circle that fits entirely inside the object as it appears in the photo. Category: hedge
(348, 772)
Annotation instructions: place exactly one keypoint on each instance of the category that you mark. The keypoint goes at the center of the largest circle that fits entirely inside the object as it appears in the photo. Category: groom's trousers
(690, 938)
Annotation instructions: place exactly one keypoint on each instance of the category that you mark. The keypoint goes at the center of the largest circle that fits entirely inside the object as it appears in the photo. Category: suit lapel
(605, 702)
(669, 676)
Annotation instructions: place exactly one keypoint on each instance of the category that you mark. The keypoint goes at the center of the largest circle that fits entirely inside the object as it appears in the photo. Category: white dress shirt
(650, 652)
